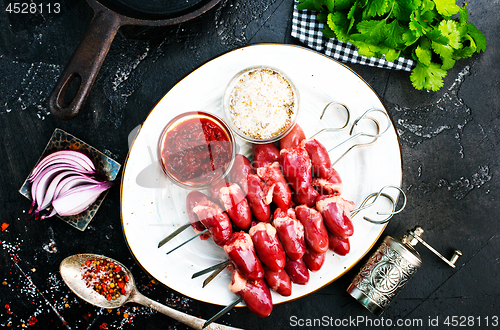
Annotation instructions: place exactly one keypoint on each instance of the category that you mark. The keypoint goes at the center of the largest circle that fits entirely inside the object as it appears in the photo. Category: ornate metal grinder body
(389, 269)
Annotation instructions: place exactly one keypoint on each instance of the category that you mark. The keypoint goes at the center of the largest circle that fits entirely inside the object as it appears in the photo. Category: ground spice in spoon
(105, 277)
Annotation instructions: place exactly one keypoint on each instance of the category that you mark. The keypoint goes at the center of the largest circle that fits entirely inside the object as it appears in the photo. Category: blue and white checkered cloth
(307, 29)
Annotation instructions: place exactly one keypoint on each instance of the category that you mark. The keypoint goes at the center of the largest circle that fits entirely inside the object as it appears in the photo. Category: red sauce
(196, 151)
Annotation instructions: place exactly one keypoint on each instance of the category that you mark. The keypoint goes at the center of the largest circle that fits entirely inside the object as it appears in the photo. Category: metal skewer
(375, 196)
(175, 233)
(375, 136)
(209, 269)
(364, 116)
(338, 105)
(185, 242)
(357, 145)
(222, 312)
(214, 274)
(216, 268)
(331, 105)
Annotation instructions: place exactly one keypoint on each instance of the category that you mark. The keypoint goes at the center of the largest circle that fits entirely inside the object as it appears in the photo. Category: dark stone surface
(449, 139)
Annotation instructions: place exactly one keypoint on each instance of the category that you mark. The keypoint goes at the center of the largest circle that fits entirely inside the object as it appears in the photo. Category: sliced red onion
(59, 182)
(79, 199)
(51, 214)
(68, 157)
(63, 182)
(71, 182)
(49, 192)
(44, 178)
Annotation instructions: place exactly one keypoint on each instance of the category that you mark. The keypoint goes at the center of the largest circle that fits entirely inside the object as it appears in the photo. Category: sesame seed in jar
(262, 103)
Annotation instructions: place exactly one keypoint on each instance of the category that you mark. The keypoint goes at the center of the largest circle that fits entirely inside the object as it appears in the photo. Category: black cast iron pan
(109, 15)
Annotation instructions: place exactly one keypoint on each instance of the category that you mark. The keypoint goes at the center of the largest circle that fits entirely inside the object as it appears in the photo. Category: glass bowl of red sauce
(196, 150)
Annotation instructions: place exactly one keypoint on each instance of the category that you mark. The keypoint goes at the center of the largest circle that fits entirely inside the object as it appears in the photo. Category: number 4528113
(33, 8)
(471, 321)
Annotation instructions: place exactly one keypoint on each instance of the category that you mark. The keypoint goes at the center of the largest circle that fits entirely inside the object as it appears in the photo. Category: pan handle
(84, 65)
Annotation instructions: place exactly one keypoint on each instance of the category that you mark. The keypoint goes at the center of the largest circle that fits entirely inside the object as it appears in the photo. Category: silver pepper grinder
(389, 269)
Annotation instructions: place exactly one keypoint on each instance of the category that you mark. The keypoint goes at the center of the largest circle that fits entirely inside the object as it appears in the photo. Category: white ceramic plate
(152, 207)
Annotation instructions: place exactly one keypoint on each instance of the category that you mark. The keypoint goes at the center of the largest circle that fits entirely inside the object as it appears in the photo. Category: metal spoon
(71, 272)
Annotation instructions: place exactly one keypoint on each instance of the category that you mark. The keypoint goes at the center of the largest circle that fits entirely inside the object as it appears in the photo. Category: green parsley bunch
(434, 33)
